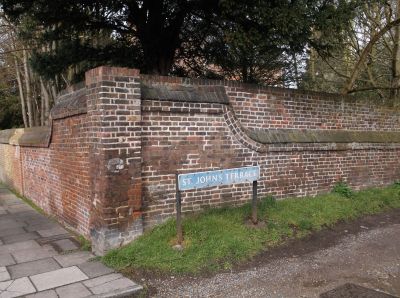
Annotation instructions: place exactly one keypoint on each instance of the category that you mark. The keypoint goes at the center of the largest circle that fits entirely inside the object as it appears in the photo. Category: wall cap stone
(183, 93)
(27, 137)
(257, 88)
(272, 136)
(70, 102)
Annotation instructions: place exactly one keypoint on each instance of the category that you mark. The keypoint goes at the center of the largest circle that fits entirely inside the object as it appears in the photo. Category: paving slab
(65, 245)
(112, 283)
(35, 220)
(102, 280)
(77, 290)
(41, 259)
(28, 255)
(10, 224)
(6, 260)
(40, 226)
(10, 199)
(15, 247)
(56, 230)
(32, 268)
(19, 208)
(16, 288)
(95, 269)
(51, 240)
(57, 278)
(74, 258)
(28, 216)
(4, 275)
(12, 231)
(44, 294)
(19, 237)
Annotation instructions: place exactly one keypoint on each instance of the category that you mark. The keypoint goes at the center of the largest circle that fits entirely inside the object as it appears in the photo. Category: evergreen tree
(244, 39)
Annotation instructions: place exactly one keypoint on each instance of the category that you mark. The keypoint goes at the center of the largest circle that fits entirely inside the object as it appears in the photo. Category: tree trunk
(45, 103)
(41, 106)
(396, 58)
(159, 61)
(28, 89)
(21, 91)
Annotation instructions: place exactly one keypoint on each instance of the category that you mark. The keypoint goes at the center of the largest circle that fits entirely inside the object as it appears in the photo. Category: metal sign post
(254, 204)
(200, 180)
(179, 231)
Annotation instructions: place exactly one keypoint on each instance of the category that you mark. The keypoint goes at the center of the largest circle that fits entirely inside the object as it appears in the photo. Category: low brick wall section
(49, 165)
(304, 142)
(106, 167)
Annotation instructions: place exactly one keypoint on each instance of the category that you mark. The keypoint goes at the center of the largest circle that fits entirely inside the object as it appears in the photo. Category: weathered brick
(113, 155)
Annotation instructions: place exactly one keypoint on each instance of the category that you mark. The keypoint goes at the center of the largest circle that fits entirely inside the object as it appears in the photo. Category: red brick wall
(118, 141)
(57, 178)
(180, 137)
(279, 108)
(10, 166)
(114, 118)
(50, 166)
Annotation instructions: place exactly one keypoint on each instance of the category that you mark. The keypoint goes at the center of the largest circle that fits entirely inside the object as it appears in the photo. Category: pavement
(363, 264)
(39, 258)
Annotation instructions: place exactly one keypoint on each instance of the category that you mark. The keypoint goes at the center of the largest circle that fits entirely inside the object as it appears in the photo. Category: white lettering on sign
(218, 177)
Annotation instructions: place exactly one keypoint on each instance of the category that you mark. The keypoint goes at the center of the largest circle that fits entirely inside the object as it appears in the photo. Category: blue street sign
(218, 177)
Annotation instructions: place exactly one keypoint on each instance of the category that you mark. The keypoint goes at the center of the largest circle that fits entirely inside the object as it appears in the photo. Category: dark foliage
(247, 40)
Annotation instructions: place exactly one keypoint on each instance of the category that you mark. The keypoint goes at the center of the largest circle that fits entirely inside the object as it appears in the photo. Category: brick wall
(269, 108)
(181, 137)
(57, 178)
(49, 165)
(107, 165)
(114, 115)
(10, 166)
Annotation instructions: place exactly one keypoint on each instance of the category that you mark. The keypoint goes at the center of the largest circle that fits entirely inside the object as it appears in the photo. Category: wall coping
(272, 136)
(257, 88)
(27, 137)
(168, 86)
(70, 102)
(183, 93)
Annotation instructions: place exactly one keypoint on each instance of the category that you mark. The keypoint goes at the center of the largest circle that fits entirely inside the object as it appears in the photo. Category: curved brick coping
(27, 137)
(281, 140)
(273, 136)
(70, 102)
(184, 93)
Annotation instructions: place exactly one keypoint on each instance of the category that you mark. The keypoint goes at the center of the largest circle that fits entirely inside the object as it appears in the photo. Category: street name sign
(218, 177)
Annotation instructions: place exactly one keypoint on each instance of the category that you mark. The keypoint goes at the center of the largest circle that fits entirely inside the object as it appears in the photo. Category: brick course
(119, 139)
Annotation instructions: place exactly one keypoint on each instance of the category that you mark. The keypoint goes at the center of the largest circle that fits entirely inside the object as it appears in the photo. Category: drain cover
(354, 291)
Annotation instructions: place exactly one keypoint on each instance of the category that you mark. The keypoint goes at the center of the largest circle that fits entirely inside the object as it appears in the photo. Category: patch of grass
(85, 244)
(343, 189)
(218, 238)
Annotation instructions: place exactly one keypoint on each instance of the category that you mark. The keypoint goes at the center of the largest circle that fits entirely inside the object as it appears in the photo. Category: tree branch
(365, 53)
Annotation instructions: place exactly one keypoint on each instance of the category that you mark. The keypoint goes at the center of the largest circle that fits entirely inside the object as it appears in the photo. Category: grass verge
(217, 239)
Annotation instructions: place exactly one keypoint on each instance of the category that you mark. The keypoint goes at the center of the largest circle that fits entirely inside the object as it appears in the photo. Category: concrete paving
(39, 258)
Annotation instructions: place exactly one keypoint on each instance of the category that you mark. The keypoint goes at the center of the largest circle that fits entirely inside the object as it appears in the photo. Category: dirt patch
(327, 237)
(352, 291)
